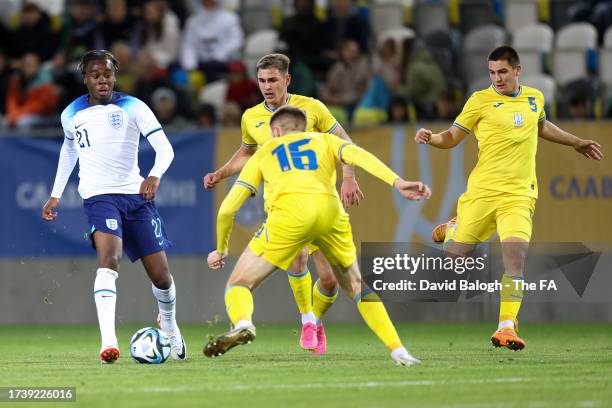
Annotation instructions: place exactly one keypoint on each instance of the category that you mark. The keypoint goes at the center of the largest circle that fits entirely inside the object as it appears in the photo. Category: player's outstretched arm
(443, 140)
(233, 166)
(67, 160)
(350, 193)
(551, 132)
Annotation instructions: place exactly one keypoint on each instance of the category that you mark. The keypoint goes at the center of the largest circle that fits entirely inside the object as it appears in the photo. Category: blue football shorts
(130, 217)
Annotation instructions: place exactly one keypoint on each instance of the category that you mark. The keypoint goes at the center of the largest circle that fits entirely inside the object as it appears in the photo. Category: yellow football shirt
(506, 128)
(255, 123)
(295, 163)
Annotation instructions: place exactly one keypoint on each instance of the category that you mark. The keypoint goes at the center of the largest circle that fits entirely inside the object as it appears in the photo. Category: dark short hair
(505, 52)
(93, 55)
(295, 117)
(278, 61)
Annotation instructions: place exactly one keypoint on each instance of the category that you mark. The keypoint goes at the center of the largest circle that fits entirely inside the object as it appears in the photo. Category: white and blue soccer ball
(150, 346)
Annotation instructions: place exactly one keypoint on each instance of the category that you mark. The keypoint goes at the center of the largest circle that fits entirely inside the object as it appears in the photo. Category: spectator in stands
(212, 38)
(160, 33)
(34, 34)
(127, 77)
(205, 116)
(398, 111)
(446, 105)
(303, 81)
(81, 32)
(303, 33)
(231, 115)
(422, 80)
(343, 22)
(165, 108)
(387, 63)
(5, 76)
(596, 12)
(32, 99)
(241, 89)
(348, 78)
(119, 25)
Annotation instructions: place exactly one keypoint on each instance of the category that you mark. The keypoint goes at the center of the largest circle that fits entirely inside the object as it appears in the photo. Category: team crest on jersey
(115, 119)
(112, 224)
(518, 119)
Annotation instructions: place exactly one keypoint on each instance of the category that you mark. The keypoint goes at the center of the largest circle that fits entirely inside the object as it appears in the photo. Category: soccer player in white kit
(102, 130)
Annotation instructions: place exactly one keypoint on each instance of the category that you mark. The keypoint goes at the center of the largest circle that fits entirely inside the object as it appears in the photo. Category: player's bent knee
(110, 261)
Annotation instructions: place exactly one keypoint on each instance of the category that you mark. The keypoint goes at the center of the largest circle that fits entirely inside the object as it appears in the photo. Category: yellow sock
(450, 233)
(321, 302)
(239, 304)
(375, 315)
(511, 298)
(302, 290)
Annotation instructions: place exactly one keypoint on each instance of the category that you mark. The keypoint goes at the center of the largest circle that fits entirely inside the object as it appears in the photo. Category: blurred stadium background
(384, 68)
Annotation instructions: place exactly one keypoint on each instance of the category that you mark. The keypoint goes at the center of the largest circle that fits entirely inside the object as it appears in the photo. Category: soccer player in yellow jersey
(299, 171)
(506, 119)
(273, 79)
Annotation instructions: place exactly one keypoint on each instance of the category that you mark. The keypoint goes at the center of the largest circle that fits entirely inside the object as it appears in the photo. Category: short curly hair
(93, 55)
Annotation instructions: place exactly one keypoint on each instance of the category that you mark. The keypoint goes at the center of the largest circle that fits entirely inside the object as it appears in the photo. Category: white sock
(505, 323)
(166, 301)
(308, 318)
(243, 324)
(105, 296)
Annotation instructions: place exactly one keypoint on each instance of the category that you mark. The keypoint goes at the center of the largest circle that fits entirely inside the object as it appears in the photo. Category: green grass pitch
(564, 365)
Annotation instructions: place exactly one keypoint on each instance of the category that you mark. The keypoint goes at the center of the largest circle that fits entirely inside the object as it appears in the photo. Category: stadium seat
(256, 46)
(607, 41)
(257, 15)
(386, 14)
(605, 66)
(430, 16)
(577, 35)
(214, 94)
(399, 34)
(477, 45)
(533, 44)
(570, 57)
(520, 13)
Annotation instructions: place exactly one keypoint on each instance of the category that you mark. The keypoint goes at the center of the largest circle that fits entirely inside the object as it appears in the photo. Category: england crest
(115, 119)
(112, 224)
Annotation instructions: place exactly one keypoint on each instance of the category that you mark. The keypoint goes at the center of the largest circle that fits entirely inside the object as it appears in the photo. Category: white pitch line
(260, 387)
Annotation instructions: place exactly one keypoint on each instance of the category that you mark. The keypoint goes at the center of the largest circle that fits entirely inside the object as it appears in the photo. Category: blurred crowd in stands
(375, 62)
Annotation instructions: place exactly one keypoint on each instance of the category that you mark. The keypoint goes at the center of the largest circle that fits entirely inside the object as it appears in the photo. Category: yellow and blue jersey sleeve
(469, 116)
(247, 139)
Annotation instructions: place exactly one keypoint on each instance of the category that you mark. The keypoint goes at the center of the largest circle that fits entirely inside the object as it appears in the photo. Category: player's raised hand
(423, 136)
(412, 190)
(48, 210)
(149, 187)
(215, 260)
(589, 148)
(350, 193)
(211, 180)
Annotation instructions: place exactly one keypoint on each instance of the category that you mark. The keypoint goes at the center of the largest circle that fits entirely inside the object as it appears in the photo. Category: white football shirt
(106, 139)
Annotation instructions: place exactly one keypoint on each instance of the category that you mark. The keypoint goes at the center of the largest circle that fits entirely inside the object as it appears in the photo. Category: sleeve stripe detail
(462, 127)
(542, 119)
(151, 132)
(68, 137)
(249, 144)
(341, 148)
(331, 129)
(247, 185)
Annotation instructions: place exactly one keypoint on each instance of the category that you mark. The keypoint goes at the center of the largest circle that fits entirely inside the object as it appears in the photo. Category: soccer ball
(150, 346)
